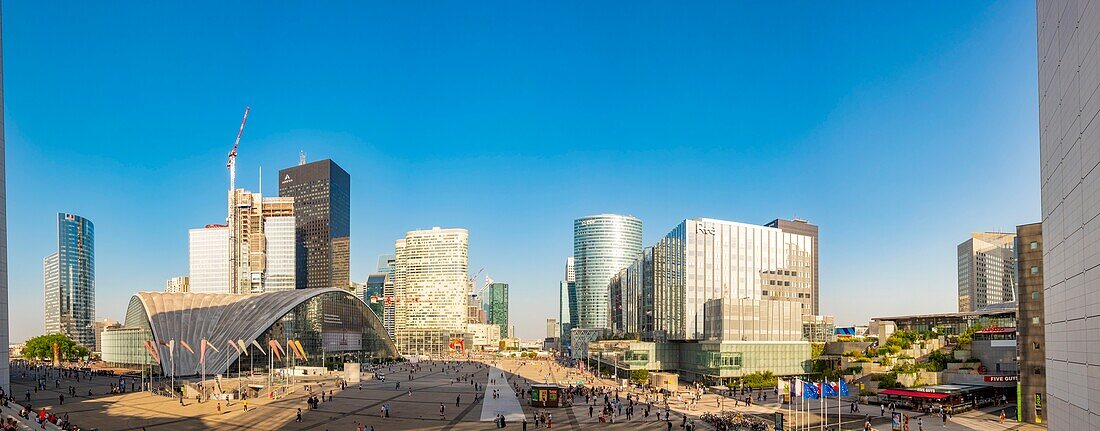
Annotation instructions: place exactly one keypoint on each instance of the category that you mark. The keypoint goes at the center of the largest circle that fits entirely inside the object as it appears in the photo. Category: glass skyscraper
(208, 259)
(322, 209)
(69, 281)
(602, 245)
(498, 307)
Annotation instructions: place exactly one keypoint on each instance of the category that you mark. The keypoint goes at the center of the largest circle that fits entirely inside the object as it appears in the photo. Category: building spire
(301, 158)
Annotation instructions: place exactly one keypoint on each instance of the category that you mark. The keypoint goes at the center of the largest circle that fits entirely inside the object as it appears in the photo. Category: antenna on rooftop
(301, 158)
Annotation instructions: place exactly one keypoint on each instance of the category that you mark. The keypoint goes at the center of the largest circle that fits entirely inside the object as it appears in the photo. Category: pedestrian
(299, 417)
(245, 404)
(442, 408)
(1002, 415)
(943, 415)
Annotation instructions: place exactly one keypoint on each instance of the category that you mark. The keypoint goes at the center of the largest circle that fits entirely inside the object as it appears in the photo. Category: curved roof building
(331, 324)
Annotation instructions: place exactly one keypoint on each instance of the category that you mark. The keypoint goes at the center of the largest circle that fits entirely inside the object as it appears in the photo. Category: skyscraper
(429, 288)
(987, 270)
(322, 210)
(497, 307)
(1069, 151)
(803, 227)
(69, 281)
(602, 245)
(386, 265)
(372, 292)
(567, 308)
(262, 244)
(208, 259)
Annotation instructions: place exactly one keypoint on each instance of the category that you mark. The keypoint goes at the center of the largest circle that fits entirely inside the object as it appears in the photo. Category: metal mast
(231, 219)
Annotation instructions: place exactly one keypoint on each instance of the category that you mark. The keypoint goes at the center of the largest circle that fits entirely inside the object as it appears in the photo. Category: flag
(796, 388)
(828, 389)
(211, 345)
(202, 351)
(258, 346)
(243, 347)
(276, 348)
(295, 346)
(187, 346)
(300, 348)
(843, 388)
(234, 346)
(150, 347)
(781, 386)
(809, 390)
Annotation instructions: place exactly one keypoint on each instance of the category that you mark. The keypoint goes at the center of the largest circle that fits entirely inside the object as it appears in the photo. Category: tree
(639, 376)
(41, 347)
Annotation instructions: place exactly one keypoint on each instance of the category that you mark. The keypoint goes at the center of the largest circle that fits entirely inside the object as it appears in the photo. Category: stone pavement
(507, 404)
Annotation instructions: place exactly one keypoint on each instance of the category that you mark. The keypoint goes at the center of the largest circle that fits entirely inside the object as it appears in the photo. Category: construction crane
(231, 219)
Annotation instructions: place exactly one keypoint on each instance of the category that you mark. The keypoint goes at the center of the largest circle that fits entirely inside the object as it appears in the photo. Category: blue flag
(827, 389)
(843, 388)
(809, 390)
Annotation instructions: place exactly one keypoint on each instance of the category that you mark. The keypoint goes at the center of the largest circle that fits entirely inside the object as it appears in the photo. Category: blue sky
(898, 128)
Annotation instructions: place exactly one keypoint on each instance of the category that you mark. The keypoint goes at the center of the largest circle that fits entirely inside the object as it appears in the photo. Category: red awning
(997, 330)
(913, 394)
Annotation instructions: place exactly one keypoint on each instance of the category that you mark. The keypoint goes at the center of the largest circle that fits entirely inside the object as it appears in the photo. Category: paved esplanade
(507, 404)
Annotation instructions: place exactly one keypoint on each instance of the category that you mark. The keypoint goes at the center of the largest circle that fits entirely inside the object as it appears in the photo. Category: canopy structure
(325, 321)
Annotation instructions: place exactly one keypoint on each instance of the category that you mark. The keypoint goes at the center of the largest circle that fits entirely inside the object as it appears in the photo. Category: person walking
(298, 418)
(442, 408)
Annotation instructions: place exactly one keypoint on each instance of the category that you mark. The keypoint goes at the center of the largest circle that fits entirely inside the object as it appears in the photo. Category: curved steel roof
(218, 317)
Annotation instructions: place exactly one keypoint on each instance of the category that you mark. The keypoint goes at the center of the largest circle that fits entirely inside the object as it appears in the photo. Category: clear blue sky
(898, 128)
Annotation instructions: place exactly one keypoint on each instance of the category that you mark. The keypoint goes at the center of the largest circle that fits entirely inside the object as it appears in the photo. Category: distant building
(372, 292)
(386, 265)
(484, 336)
(262, 243)
(100, 326)
(602, 245)
(178, 284)
(430, 280)
(1029, 327)
(819, 329)
(322, 211)
(567, 309)
(497, 305)
(69, 279)
(511, 331)
(552, 328)
(987, 270)
(209, 259)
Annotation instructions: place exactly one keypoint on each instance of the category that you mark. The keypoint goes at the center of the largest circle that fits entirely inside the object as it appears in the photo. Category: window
(1034, 295)
(1034, 245)
(1038, 346)
(1034, 270)
(1035, 320)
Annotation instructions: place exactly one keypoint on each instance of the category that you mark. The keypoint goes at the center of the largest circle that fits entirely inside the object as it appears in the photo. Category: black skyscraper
(322, 209)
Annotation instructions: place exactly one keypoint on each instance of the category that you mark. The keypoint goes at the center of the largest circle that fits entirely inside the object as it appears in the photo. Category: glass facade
(602, 245)
(322, 208)
(756, 281)
(69, 281)
(498, 307)
(430, 283)
(332, 324)
(372, 292)
(126, 346)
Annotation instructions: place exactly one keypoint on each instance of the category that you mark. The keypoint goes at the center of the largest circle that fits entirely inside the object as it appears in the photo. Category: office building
(322, 211)
(178, 284)
(372, 292)
(102, 325)
(552, 328)
(208, 259)
(1031, 347)
(497, 307)
(803, 227)
(261, 243)
(602, 245)
(567, 309)
(386, 265)
(1069, 152)
(713, 300)
(987, 270)
(430, 281)
(69, 281)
